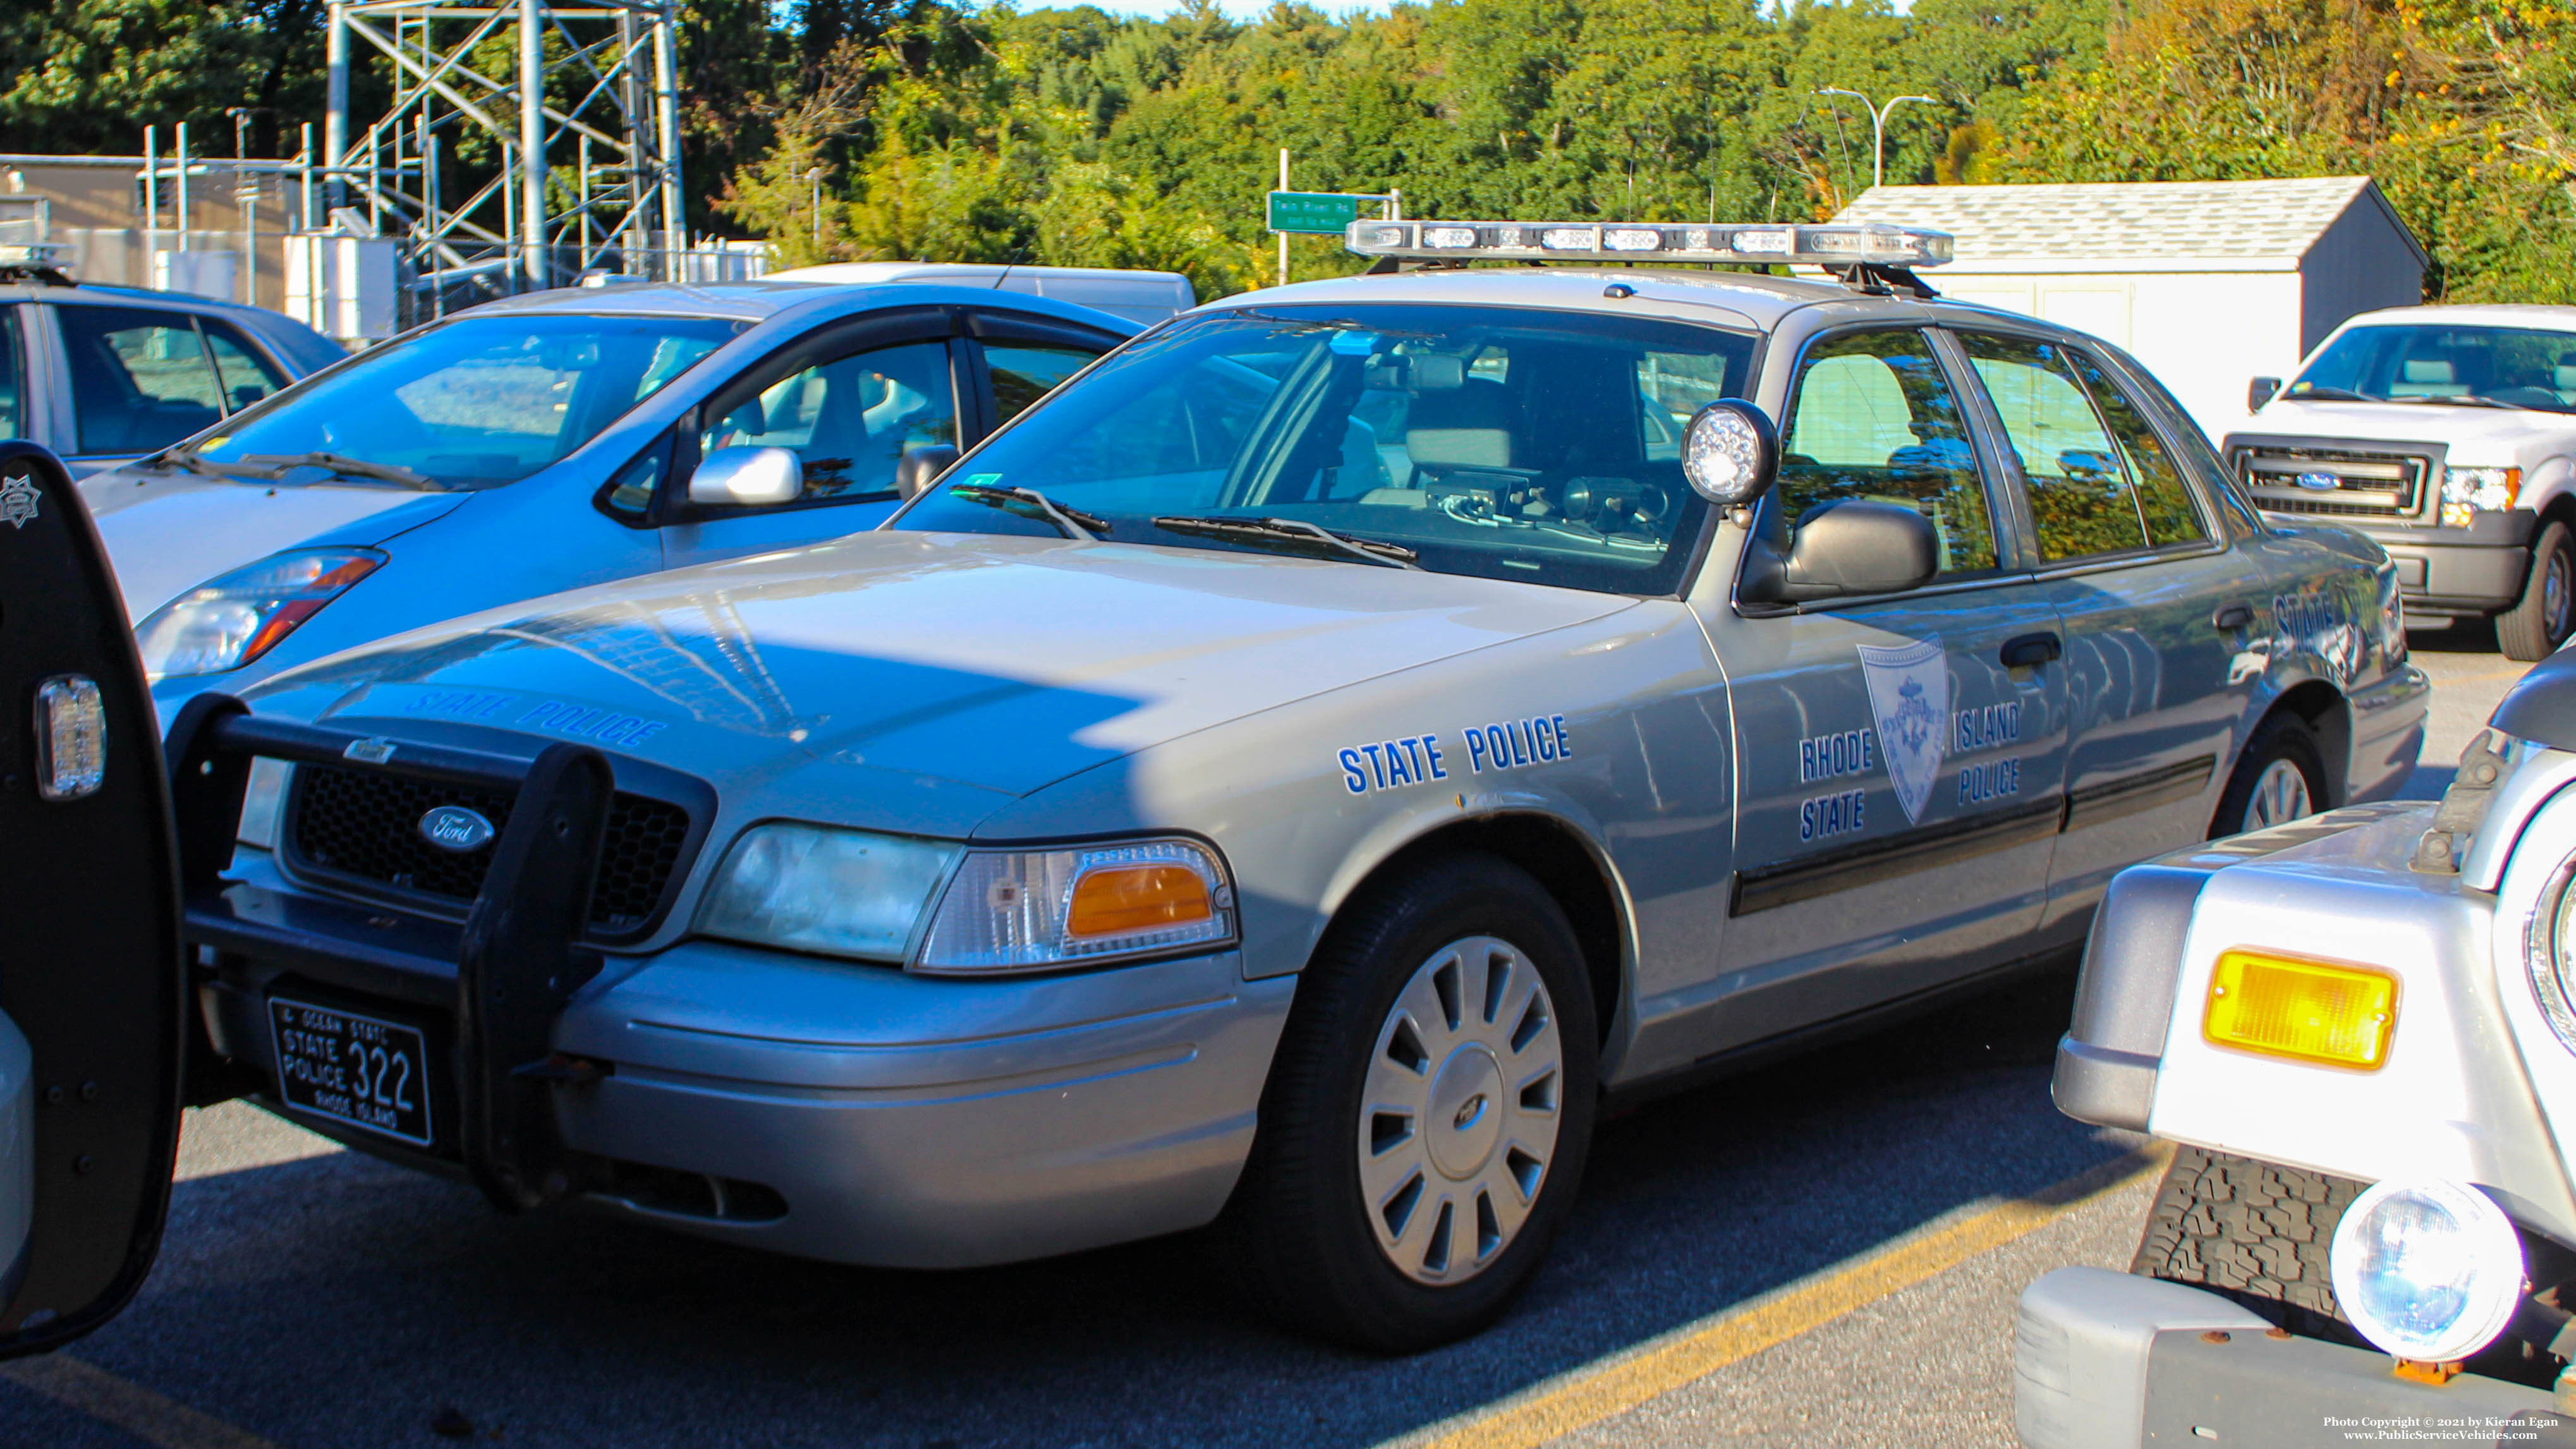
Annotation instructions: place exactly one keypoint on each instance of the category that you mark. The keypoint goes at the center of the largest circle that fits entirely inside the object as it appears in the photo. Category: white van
(1144, 298)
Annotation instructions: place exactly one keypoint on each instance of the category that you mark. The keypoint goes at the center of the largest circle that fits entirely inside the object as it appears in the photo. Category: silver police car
(1292, 777)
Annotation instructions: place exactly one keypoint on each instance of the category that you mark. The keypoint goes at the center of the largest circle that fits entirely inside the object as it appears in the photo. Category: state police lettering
(1986, 727)
(606, 726)
(1824, 757)
(1413, 759)
(1829, 815)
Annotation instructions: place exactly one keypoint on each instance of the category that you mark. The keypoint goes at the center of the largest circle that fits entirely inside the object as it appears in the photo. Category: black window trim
(2000, 515)
(2215, 541)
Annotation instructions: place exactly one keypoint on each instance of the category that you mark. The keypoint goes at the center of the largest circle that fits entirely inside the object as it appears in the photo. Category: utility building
(2209, 283)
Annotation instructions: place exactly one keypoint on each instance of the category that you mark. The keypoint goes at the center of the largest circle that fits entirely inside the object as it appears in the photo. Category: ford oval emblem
(2321, 482)
(455, 828)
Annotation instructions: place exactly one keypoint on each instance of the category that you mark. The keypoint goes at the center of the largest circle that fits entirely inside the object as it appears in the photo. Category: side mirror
(1731, 452)
(1852, 547)
(2260, 391)
(920, 467)
(747, 475)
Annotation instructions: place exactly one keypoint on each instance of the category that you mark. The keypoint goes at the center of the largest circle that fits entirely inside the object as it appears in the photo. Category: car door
(91, 983)
(2136, 565)
(1901, 758)
(139, 378)
(849, 401)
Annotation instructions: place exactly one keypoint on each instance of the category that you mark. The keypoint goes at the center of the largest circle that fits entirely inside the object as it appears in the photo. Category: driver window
(849, 419)
(140, 378)
(1873, 417)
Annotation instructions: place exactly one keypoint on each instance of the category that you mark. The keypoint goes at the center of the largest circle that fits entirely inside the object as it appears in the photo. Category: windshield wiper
(1073, 523)
(198, 463)
(279, 464)
(1301, 536)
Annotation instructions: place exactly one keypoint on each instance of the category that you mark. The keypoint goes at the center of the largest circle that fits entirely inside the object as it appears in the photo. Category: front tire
(2281, 777)
(1428, 1113)
(2253, 1232)
(2534, 628)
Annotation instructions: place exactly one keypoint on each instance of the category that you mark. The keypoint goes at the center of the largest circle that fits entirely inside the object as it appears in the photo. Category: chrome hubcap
(1458, 1121)
(2280, 796)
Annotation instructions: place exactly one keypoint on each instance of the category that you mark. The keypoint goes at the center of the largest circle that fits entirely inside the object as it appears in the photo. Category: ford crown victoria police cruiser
(1286, 778)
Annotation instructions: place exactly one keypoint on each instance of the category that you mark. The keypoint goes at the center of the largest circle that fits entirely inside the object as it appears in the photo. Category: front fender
(2452, 1099)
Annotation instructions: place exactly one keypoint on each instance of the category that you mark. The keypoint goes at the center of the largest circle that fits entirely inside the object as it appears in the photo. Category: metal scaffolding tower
(529, 142)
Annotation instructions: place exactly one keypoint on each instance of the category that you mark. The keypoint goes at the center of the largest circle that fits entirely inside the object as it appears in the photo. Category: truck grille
(363, 825)
(2365, 484)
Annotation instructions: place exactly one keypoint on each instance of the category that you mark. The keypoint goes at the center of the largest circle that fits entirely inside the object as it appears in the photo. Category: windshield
(480, 402)
(1504, 443)
(2520, 367)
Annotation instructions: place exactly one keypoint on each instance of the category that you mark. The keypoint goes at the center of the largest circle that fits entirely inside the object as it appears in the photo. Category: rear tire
(2281, 777)
(1393, 1224)
(2251, 1232)
(2534, 628)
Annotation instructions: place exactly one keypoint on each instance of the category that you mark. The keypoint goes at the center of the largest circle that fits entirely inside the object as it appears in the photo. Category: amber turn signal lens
(1137, 898)
(2311, 1011)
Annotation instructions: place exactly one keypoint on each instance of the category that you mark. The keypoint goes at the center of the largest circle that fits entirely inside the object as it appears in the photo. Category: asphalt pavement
(310, 1296)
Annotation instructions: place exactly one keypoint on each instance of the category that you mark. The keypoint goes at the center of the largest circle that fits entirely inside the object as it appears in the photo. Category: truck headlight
(1038, 910)
(229, 621)
(838, 892)
(2467, 492)
(2430, 1271)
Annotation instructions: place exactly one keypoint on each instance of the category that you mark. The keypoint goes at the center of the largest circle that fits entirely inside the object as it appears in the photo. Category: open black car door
(91, 980)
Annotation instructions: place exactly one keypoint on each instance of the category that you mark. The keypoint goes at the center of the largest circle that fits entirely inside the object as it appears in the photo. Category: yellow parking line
(128, 1406)
(1599, 1391)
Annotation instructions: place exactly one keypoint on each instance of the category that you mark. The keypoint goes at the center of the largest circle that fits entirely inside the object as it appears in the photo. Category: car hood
(1000, 663)
(168, 532)
(2481, 436)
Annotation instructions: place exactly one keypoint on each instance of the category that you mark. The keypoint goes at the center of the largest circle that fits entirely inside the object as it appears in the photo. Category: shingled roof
(2171, 222)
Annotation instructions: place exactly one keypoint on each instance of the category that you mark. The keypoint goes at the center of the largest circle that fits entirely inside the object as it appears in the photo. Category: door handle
(2239, 615)
(2027, 650)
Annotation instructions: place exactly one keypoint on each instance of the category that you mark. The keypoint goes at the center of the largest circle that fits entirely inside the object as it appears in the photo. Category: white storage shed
(2209, 283)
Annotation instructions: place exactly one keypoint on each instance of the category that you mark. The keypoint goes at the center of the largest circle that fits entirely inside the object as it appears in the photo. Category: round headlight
(2430, 1271)
(1728, 452)
(2549, 951)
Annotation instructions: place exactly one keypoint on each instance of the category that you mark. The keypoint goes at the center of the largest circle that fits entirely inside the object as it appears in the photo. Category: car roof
(764, 301)
(1721, 296)
(2483, 314)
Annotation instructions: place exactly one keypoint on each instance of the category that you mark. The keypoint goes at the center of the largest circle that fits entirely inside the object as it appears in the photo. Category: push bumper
(2105, 1360)
(2474, 570)
(834, 1110)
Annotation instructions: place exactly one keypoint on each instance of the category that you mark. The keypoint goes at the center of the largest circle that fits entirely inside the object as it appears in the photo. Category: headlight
(2467, 492)
(839, 892)
(228, 622)
(2430, 1271)
(1037, 910)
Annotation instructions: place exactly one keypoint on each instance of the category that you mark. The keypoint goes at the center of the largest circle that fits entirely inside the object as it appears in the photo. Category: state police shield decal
(1909, 691)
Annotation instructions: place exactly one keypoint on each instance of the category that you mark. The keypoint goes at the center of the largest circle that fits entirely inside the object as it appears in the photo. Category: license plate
(355, 1069)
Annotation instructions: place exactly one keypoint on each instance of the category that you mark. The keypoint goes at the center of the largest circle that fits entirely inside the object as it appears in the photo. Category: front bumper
(835, 1110)
(2105, 1360)
(2474, 570)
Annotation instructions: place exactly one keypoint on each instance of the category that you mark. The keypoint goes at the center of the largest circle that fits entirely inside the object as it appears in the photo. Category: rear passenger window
(140, 378)
(247, 376)
(1023, 372)
(2164, 500)
(2079, 492)
(1873, 417)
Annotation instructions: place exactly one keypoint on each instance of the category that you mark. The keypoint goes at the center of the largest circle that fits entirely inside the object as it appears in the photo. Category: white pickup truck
(2445, 434)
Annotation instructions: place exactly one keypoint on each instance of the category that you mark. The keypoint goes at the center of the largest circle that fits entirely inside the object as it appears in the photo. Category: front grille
(2368, 483)
(365, 825)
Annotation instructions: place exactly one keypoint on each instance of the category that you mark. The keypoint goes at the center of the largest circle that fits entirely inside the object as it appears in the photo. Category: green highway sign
(1323, 213)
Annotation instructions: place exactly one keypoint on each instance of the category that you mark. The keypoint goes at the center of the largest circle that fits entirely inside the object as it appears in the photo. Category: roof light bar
(1863, 243)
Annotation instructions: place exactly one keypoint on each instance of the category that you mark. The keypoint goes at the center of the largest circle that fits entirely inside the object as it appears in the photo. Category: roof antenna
(1016, 258)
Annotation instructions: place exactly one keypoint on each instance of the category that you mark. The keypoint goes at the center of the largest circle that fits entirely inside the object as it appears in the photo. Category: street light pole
(1877, 127)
